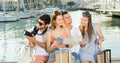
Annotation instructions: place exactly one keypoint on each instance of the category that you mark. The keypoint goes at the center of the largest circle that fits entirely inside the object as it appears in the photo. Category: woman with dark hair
(57, 31)
(38, 40)
(92, 36)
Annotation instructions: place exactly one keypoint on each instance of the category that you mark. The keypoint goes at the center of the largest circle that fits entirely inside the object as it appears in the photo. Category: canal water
(12, 38)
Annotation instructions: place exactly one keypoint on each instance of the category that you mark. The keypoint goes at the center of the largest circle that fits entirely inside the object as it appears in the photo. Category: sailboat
(4, 16)
(32, 8)
(21, 13)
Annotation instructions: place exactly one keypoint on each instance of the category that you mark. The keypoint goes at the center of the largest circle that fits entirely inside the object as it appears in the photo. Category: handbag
(63, 55)
(26, 55)
(104, 56)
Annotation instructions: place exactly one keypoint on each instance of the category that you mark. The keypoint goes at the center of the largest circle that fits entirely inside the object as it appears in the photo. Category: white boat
(7, 17)
(23, 15)
(34, 13)
(4, 16)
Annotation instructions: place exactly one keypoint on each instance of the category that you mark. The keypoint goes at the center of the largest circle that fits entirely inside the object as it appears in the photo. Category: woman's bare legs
(92, 62)
(84, 61)
(52, 61)
(72, 60)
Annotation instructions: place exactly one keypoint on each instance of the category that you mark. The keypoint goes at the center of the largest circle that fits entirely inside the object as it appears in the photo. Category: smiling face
(84, 21)
(41, 23)
(59, 20)
(67, 19)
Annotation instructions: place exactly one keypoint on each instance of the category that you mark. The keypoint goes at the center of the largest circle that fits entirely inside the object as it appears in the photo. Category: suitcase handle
(109, 51)
(104, 51)
(69, 55)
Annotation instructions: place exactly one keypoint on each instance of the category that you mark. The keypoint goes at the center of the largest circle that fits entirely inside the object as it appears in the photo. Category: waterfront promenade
(16, 32)
(113, 61)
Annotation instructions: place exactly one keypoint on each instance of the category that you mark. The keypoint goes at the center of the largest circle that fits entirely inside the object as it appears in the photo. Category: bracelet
(66, 45)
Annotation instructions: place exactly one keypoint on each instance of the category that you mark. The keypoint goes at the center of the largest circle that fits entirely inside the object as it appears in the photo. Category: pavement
(16, 62)
(113, 61)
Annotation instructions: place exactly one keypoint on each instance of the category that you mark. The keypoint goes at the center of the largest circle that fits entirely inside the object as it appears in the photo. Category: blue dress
(90, 51)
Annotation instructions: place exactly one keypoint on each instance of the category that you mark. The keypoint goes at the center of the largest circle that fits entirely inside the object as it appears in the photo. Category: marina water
(12, 38)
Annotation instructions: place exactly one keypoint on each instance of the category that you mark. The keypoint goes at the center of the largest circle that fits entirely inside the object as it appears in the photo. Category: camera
(34, 32)
(28, 33)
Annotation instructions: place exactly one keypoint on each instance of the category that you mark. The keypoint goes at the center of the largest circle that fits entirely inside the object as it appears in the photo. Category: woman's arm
(100, 34)
(50, 47)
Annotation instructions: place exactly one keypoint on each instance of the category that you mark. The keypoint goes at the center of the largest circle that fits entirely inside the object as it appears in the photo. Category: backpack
(26, 55)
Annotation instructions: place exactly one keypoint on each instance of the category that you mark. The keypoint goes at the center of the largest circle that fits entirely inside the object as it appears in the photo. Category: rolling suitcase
(104, 56)
(63, 55)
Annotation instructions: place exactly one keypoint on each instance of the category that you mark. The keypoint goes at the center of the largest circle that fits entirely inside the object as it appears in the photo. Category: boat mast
(3, 3)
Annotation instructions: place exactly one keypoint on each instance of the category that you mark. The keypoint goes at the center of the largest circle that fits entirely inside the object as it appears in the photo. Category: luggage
(26, 55)
(63, 55)
(104, 56)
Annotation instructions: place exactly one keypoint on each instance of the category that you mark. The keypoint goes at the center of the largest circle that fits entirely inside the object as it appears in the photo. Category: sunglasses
(40, 23)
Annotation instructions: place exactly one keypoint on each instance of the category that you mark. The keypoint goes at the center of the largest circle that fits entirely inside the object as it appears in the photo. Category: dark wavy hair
(46, 18)
(64, 12)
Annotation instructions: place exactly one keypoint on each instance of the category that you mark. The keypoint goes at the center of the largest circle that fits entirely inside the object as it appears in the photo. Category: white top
(74, 33)
(39, 50)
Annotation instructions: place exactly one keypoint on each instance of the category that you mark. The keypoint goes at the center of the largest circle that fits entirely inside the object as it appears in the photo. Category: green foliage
(71, 3)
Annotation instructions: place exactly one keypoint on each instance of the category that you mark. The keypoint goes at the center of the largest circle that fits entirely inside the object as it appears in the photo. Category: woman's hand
(55, 43)
(82, 43)
(70, 45)
(99, 41)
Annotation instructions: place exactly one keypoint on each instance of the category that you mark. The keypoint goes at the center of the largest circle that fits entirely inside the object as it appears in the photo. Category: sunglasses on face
(40, 23)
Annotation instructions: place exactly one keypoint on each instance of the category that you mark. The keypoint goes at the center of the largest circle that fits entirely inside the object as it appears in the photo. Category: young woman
(57, 31)
(38, 41)
(89, 43)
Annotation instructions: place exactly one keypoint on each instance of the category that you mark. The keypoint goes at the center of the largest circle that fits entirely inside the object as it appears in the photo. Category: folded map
(73, 40)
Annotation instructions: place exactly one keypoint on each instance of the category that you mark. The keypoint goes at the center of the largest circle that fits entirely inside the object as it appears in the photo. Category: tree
(71, 3)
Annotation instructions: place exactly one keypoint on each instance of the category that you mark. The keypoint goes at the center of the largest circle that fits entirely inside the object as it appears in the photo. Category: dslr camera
(28, 33)
(34, 32)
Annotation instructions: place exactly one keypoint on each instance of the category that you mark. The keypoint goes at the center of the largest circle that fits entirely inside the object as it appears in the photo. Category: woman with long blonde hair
(57, 31)
(89, 43)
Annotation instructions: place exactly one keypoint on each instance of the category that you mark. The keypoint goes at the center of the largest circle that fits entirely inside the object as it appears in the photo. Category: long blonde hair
(54, 17)
(90, 27)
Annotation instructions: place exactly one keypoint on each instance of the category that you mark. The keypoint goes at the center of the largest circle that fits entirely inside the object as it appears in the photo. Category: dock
(115, 12)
